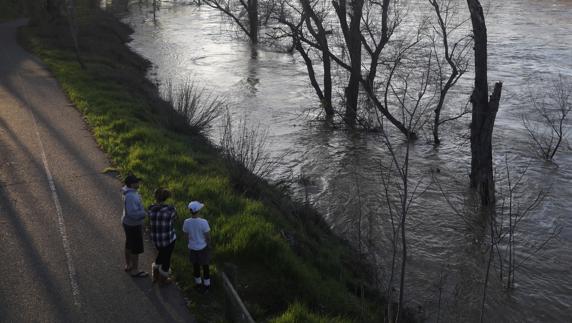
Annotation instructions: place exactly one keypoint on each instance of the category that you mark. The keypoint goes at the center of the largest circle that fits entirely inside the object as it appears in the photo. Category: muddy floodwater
(338, 171)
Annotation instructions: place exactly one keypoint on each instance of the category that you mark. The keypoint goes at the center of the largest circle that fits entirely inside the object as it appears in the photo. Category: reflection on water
(340, 171)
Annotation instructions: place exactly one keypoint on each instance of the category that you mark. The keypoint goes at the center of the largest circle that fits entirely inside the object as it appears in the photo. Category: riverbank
(290, 266)
(12, 9)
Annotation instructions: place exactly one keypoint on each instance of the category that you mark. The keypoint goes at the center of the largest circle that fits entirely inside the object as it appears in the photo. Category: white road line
(60, 217)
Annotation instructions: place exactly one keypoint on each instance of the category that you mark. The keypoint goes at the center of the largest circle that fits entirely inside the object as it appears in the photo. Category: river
(340, 170)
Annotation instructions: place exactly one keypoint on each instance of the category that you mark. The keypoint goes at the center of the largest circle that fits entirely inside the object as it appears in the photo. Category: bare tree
(399, 192)
(484, 111)
(74, 29)
(454, 61)
(236, 11)
(351, 32)
(396, 178)
(309, 33)
(509, 215)
(54, 9)
(552, 108)
(307, 28)
(375, 39)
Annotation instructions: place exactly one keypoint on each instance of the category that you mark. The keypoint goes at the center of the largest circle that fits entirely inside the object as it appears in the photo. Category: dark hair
(130, 180)
(162, 194)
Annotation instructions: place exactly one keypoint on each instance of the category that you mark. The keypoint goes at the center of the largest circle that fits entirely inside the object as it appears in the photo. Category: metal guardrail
(235, 309)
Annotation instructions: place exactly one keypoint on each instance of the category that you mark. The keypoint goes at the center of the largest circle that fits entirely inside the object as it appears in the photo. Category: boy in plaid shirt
(161, 218)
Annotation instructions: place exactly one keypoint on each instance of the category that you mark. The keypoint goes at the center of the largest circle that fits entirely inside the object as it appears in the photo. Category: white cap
(195, 206)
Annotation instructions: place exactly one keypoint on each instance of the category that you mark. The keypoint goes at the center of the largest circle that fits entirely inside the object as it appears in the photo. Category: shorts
(201, 257)
(133, 238)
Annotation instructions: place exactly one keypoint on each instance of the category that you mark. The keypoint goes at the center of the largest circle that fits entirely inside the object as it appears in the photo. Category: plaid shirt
(161, 218)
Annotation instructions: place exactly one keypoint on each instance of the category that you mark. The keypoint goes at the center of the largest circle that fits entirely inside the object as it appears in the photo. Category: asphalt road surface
(61, 241)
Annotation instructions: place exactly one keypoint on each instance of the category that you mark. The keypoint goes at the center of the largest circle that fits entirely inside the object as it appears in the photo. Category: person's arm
(207, 234)
(207, 238)
(134, 208)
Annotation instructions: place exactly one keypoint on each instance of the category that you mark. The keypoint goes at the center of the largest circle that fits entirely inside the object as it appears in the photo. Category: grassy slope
(304, 280)
(11, 9)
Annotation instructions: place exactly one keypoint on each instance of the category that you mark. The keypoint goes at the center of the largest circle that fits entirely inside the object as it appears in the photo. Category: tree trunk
(327, 101)
(437, 121)
(322, 39)
(253, 20)
(54, 9)
(484, 111)
(352, 37)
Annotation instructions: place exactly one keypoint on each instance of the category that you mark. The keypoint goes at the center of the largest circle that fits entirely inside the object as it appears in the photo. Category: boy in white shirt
(198, 232)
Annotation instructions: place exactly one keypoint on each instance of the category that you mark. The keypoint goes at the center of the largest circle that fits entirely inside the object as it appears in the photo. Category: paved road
(60, 234)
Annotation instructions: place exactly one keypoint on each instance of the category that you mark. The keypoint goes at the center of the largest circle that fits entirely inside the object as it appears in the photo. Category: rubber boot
(154, 272)
(164, 277)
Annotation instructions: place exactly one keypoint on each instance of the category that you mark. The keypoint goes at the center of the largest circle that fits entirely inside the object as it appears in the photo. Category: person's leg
(136, 250)
(197, 274)
(158, 259)
(204, 257)
(162, 264)
(128, 265)
(155, 266)
(166, 260)
(134, 262)
(206, 276)
(194, 258)
(163, 275)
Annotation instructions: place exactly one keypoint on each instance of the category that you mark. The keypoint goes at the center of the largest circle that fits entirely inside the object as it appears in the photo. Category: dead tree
(484, 112)
(235, 12)
(552, 108)
(351, 32)
(396, 178)
(375, 37)
(307, 28)
(320, 35)
(252, 8)
(455, 57)
(74, 30)
(54, 9)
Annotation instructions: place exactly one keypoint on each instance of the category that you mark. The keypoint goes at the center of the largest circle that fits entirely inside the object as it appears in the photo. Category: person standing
(161, 219)
(198, 232)
(132, 219)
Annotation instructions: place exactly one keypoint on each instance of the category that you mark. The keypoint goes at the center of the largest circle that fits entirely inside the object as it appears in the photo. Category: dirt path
(61, 238)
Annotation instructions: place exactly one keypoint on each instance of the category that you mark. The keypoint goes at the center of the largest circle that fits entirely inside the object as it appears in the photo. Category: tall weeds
(245, 149)
(196, 106)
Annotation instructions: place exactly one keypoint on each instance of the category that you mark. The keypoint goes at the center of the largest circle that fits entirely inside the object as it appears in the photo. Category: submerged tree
(484, 111)
(236, 10)
(552, 109)
(352, 35)
(306, 25)
(454, 57)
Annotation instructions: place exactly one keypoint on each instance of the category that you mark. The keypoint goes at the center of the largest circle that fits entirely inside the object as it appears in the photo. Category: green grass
(305, 281)
(298, 313)
(12, 9)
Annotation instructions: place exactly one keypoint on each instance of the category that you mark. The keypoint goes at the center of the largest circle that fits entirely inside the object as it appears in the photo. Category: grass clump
(291, 268)
(298, 313)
